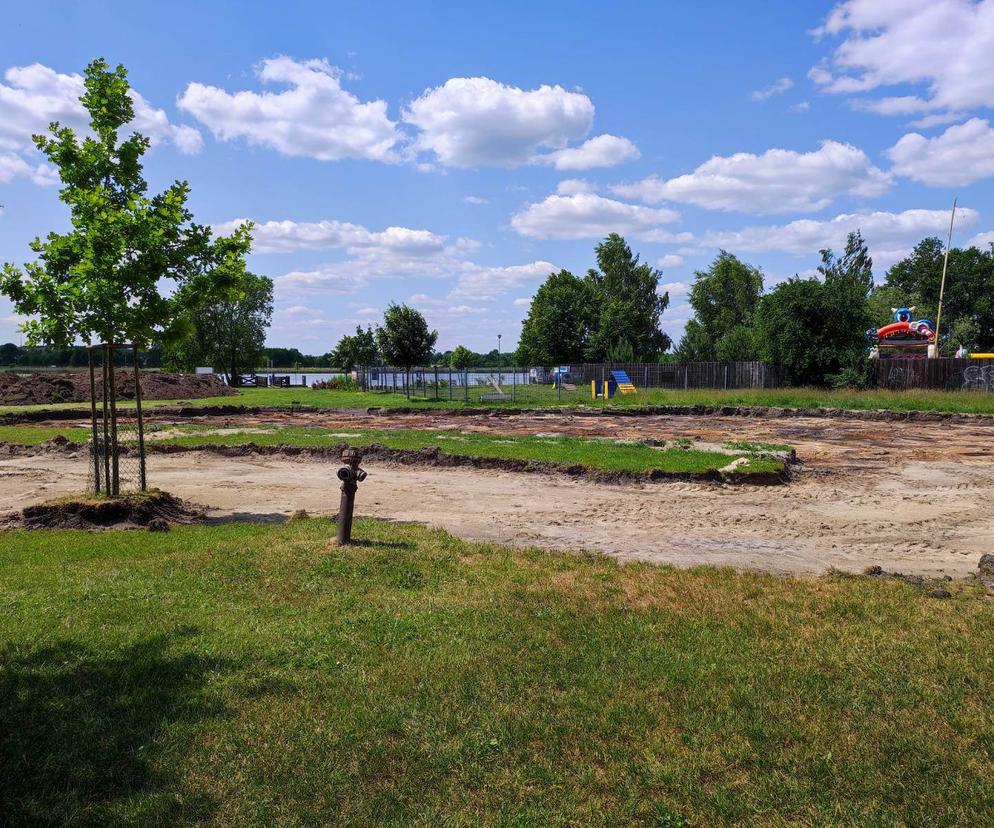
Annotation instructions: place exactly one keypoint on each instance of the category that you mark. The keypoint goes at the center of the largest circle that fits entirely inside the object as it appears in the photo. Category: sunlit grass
(259, 675)
(601, 454)
(542, 396)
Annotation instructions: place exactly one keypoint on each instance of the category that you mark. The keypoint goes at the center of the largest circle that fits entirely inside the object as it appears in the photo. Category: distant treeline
(16, 356)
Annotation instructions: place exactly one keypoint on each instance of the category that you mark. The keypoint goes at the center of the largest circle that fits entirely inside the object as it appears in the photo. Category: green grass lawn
(605, 455)
(545, 397)
(258, 675)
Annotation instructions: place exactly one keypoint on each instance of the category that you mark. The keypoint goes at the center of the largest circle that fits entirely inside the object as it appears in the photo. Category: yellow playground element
(625, 385)
(618, 381)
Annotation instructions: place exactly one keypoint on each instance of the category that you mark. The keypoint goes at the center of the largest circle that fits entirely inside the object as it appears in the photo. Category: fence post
(465, 384)
(514, 382)
(450, 382)
(436, 383)
(93, 422)
(726, 376)
(141, 421)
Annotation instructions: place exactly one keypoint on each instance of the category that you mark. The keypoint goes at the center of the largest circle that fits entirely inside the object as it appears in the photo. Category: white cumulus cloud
(33, 96)
(471, 122)
(586, 215)
(961, 155)
(943, 48)
(315, 117)
(778, 181)
(602, 151)
(481, 283)
(13, 166)
(889, 236)
(778, 87)
(289, 236)
(982, 240)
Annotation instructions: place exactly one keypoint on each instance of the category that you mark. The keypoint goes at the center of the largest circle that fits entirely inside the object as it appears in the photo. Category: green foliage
(738, 343)
(627, 303)
(404, 339)
(99, 282)
(811, 329)
(969, 296)
(724, 298)
(227, 333)
(621, 351)
(353, 351)
(854, 269)
(9, 353)
(559, 322)
(461, 357)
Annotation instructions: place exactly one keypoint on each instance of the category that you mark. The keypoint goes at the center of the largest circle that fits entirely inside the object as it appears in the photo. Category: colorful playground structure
(618, 381)
(904, 337)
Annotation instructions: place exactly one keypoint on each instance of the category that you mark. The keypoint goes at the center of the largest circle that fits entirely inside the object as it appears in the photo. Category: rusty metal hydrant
(351, 476)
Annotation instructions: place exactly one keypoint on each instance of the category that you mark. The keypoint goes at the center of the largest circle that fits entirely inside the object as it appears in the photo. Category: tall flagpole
(942, 287)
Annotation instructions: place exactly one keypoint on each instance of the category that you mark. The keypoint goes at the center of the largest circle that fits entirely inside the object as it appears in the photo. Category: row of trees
(815, 328)
(611, 314)
(402, 340)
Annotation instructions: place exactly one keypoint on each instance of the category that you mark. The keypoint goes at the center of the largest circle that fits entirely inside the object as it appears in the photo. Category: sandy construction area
(914, 497)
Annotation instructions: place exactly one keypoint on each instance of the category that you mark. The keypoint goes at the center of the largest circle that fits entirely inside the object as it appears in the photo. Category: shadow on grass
(83, 730)
(247, 517)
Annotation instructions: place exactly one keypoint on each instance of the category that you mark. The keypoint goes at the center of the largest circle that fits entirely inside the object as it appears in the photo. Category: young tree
(229, 333)
(353, 351)
(855, 267)
(724, 298)
(560, 319)
(461, 357)
(627, 302)
(404, 339)
(99, 282)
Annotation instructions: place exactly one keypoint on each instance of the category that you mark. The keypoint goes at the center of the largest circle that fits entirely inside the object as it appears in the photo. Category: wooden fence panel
(946, 374)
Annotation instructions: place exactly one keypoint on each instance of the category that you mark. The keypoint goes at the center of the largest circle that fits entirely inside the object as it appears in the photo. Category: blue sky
(451, 154)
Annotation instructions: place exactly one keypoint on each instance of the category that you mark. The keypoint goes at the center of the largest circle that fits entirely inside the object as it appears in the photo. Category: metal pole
(465, 383)
(450, 382)
(141, 423)
(514, 382)
(436, 383)
(115, 459)
(106, 421)
(93, 423)
(942, 287)
(345, 509)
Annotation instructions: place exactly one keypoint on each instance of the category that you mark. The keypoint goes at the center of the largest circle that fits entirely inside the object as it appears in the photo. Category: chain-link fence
(545, 384)
(117, 440)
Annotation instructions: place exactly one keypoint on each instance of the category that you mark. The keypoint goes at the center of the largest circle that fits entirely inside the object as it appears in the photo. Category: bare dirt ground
(914, 497)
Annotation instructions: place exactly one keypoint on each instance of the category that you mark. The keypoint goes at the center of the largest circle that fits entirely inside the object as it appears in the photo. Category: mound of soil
(44, 387)
(152, 510)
